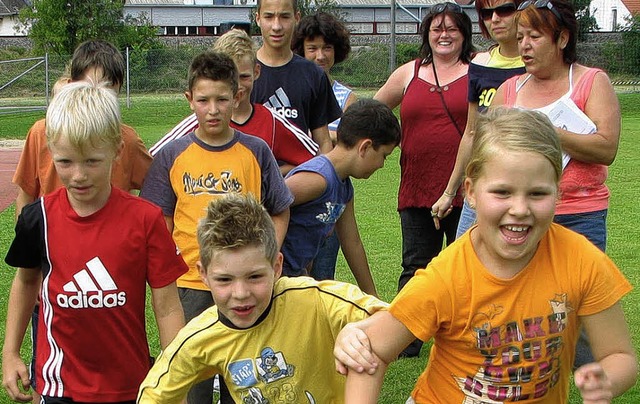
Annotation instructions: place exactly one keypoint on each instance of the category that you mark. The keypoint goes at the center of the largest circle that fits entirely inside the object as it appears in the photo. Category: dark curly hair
(327, 26)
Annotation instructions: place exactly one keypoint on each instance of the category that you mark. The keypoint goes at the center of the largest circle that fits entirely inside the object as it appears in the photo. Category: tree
(586, 21)
(58, 26)
(308, 7)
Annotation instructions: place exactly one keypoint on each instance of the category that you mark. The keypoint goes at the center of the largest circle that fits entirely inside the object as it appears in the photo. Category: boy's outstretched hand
(593, 383)
(15, 373)
(353, 351)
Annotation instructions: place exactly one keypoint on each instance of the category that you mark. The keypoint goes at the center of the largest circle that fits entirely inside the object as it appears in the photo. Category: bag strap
(444, 103)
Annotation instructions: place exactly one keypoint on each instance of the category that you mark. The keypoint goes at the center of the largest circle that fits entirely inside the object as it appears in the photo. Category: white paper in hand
(566, 115)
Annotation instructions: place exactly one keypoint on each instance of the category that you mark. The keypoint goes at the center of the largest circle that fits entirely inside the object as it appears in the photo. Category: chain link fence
(164, 71)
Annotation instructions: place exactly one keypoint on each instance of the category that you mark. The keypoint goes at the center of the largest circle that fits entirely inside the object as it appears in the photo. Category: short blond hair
(505, 129)
(235, 221)
(61, 82)
(85, 113)
(237, 44)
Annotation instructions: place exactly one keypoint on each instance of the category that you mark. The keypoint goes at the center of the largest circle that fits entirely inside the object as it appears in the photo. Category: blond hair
(61, 82)
(503, 129)
(85, 113)
(235, 221)
(237, 44)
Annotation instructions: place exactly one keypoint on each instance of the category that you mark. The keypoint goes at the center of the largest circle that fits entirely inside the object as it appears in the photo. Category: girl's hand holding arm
(352, 350)
(371, 344)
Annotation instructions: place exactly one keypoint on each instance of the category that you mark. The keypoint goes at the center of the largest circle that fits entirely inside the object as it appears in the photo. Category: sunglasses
(502, 11)
(541, 4)
(442, 7)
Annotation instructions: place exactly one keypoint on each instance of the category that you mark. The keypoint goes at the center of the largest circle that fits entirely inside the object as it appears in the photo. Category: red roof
(632, 5)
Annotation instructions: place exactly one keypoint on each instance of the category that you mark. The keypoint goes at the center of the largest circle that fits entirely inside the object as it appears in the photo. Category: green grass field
(376, 201)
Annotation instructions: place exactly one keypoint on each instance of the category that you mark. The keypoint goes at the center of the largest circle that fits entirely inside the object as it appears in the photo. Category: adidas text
(287, 113)
(98, 300)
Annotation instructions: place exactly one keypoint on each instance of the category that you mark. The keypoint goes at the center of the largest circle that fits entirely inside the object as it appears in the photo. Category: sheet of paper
(567, 115)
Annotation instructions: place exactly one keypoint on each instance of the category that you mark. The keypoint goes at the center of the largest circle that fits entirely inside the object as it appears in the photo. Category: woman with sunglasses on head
(554, 83)
(487, 71)
(431, 92)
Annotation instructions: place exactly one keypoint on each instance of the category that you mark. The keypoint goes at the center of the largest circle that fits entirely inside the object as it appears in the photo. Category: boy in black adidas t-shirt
(296, 88)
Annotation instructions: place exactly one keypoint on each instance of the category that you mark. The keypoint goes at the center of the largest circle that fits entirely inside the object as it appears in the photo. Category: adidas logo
(280, 103)
(89, 288)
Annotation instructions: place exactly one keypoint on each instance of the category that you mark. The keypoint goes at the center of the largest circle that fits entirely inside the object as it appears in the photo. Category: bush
(367, 66)
(160, 70)
(406, 52)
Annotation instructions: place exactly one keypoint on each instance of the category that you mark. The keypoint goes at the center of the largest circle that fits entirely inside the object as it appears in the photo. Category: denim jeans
(467, 219)
(324, 264)
(195, 302)
(592, 225)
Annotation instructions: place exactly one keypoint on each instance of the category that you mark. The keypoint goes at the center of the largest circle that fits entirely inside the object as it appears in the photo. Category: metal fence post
(46, 78)
(392, 44)
(128, 93)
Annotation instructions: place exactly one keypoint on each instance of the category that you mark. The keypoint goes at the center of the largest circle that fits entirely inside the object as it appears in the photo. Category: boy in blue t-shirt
(323, 193)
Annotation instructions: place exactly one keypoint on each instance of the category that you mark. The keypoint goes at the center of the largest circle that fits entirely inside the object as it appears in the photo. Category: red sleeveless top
(429, 139)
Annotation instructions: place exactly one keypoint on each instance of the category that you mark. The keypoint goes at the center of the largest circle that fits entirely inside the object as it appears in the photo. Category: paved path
(9, 154)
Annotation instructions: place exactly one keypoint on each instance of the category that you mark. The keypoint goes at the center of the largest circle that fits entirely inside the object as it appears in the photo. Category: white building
(9, 10)
(612, 14)
(213, 17)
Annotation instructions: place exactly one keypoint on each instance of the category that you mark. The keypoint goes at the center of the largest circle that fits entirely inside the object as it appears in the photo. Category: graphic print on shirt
(272, 366)
(210, 183)
(516, 354)
(91, 287)
(486, 97)
(254, 396)
(280, 103)
(269, 367)
(334, 211)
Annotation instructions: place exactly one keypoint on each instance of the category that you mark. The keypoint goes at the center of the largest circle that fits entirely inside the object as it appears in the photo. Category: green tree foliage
(58, 26)
(586, 21)
(308, 7)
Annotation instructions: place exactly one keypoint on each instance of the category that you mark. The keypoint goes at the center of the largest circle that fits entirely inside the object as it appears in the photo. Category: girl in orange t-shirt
(504, 303)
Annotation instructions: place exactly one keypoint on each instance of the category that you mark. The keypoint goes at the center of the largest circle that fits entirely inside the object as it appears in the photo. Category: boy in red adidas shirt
(94, 248)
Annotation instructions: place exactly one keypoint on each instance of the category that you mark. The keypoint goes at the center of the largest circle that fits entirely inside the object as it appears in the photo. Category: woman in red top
(432, 94)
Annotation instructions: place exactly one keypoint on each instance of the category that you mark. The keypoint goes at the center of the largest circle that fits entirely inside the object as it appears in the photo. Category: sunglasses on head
(441, 7)
(541, 4)
(504, 10)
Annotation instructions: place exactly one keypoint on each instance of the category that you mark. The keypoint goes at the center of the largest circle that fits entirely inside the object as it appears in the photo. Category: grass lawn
(376, 201)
